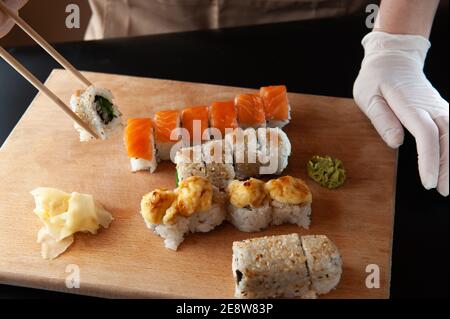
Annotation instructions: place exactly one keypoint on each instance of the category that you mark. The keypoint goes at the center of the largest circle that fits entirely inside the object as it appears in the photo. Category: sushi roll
(140, 144)
(165, 122)
(291, 201)
(249, 207)
(95, 107)
(324, 262)
(285, 266)
(196, 121)
(246, 152)
(218, 161)
(250, 111)
(275, 150)
(210, 160)
(276, 105)
(223, 116)
(189, 162)
(195, 206)
(270, 267)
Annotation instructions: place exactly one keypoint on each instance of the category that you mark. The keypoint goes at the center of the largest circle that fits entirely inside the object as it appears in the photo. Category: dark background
(316, 57)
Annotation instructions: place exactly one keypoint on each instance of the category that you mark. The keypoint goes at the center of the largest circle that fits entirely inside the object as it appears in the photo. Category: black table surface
(317, 57)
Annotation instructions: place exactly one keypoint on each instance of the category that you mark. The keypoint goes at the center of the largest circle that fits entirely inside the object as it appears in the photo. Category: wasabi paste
(327, 171)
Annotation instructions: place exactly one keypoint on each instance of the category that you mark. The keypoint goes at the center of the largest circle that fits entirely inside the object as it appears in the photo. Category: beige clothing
(121, 18)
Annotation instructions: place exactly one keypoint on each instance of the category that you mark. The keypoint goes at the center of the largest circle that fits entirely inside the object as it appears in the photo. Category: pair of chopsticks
(32, 79)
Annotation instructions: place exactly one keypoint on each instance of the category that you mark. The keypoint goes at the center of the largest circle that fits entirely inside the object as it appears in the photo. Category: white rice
(83, 104)
(274, 153)
(163, 149)
(248, 219)
(292, 214)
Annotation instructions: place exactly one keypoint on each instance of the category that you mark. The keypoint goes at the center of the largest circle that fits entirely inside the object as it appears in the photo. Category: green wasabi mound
(327, 171)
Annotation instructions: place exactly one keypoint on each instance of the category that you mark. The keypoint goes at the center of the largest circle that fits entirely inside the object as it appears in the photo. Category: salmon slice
(223, 115)
(138, 134)
(276, 105)
(190, 114)
(250, 110)
(165, 122)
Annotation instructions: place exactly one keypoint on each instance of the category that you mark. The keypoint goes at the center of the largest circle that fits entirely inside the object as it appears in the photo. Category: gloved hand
(6, 24)
(391, 89)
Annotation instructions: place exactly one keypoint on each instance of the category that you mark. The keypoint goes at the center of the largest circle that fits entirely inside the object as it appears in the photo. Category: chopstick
(44, 44)
(42, 88)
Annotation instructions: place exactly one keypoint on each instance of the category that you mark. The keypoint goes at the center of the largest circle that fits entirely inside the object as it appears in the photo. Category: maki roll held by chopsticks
(95, 106)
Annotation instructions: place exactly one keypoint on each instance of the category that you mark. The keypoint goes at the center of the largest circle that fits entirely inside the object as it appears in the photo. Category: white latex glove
(6, 24)
(391, 89)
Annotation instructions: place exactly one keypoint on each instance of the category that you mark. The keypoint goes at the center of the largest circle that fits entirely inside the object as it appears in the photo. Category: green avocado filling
(104, 109)
(177, 181)
(327, 171)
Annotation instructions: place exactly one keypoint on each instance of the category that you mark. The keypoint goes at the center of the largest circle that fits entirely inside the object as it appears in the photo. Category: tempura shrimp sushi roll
(165, 123)
(249, 207)
(218, 160)
(324, 262)
(95, 107)
(222, 117)
(195, 206)
(276, 105)
(196, 121)
(246, 152)
(291, 201)
(275, 150)
(140, 144)
(250, 111)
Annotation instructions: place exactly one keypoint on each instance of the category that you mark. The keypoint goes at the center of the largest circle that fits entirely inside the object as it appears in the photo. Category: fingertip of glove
(394, 137)
(443, 190)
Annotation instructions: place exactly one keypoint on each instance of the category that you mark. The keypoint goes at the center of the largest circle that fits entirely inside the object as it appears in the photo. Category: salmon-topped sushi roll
(250, 111)
(140, 144)
(276, 105)
(223, 116)
(196, 120)
(165, 122)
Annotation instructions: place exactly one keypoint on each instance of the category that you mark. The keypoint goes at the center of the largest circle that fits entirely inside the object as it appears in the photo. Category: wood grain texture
(127, 260)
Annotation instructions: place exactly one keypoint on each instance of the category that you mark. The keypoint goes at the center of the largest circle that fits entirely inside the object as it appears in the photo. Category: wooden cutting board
(127, 260)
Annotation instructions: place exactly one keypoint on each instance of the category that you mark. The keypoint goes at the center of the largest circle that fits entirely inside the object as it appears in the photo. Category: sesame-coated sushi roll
(249, 207)
(95, 106)
(270, 267)
(276, 105)
(246, 152)
(223, 117)
(165, 123)
(140, 144)
(285, 266)
(291, 201)
(189, 161)
(250, 111)
(218, 160)
(324, 262)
